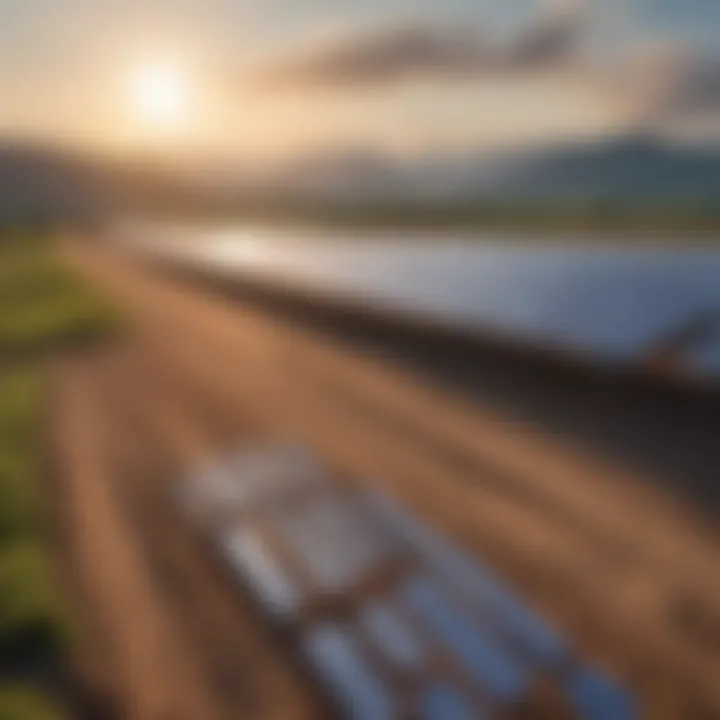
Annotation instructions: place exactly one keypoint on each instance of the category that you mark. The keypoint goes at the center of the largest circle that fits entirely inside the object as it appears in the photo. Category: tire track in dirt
(244, 664)
(155, 672)
(142, 495)
(91, 658)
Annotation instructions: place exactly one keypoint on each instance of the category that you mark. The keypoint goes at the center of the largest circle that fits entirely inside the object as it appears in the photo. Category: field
(624, 571)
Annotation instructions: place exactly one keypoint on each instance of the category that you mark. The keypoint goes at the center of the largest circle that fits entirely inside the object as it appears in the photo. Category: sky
(261, 79)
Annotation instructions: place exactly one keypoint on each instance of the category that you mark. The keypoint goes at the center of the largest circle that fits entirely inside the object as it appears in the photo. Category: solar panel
(254, 562)
(443, 702)
(596, 697)
(384, 624)
(357, 687)
(500, 675)
(330, 537)
(393, 619)
(608, 303)
(533, 636)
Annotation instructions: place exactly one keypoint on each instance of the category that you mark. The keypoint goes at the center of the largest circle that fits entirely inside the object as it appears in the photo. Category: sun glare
(159, 96)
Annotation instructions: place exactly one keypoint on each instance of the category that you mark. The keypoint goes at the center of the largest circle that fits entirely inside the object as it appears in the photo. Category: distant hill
(630, 169)
(634, 168)
(38, 184)
(41, 183)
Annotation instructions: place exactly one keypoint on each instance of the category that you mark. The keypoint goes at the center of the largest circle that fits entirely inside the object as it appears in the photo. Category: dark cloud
(384, 56)
(554, 38)
(674, 84)
(415, 50)
(696, 88)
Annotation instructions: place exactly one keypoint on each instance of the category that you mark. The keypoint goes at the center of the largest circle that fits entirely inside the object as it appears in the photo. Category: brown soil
(627, 573)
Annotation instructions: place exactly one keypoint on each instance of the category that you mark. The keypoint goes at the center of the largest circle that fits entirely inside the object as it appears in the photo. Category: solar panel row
(605, 302)
(394, 620)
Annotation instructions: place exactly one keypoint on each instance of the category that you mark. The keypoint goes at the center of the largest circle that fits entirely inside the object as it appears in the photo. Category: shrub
(22, 703)
(33, 627)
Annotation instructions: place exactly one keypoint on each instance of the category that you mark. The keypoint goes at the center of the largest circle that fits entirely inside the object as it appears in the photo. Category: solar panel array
(394, 620)
(601, 301)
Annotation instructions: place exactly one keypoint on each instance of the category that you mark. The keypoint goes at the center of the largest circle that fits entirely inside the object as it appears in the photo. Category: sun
(159, 95)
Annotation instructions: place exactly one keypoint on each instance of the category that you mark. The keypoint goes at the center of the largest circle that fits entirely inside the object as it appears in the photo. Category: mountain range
(41, 181)
(631, 169)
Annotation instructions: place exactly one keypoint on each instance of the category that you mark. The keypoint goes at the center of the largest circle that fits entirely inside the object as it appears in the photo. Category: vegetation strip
(42, 309)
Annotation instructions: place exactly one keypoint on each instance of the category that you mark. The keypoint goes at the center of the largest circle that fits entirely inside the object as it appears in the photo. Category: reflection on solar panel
(608, 303)
(393, 619)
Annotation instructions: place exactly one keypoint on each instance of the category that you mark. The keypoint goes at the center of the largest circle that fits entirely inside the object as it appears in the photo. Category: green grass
(42, 305)
(19, 510)
(33, 622)
(43, 308)
(20, 498)
(33, 626)
(18, 702)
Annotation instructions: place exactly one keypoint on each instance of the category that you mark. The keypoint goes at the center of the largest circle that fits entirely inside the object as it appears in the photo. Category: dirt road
(629, 575)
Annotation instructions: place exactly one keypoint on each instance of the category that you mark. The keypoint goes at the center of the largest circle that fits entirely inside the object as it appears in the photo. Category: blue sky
(692, 21)
(33, 31)
(696, 21)
(63, 65)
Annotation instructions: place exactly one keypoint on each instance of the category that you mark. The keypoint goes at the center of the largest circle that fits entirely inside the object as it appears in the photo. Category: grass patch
(42, 308)
(43, 305)
(21, 393)
(33, 625)
(19, 510)
(22, 703)
(20, 401)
